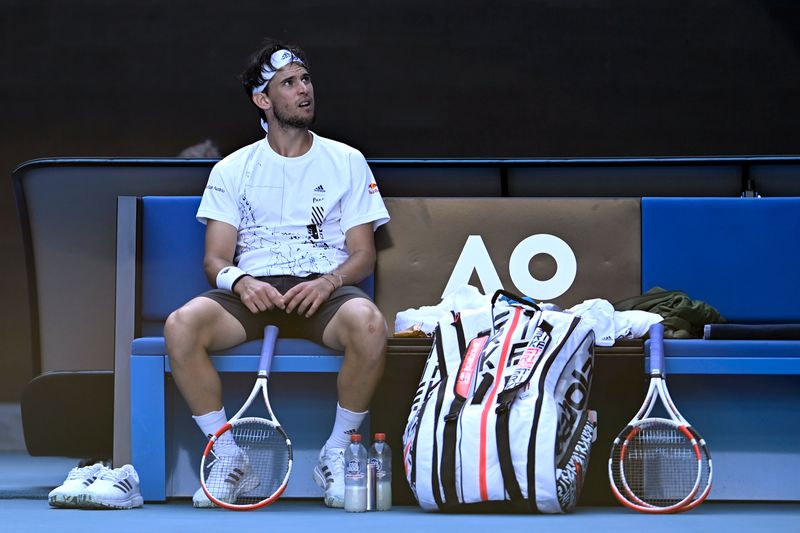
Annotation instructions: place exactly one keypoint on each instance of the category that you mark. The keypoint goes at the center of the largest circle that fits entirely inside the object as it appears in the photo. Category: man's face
(292, 95)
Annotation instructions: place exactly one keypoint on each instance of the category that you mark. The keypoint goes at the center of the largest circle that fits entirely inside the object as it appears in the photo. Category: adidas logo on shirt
(319, 188)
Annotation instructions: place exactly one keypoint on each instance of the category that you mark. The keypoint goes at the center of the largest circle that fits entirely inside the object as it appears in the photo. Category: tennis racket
(659, 465)
(246, 464)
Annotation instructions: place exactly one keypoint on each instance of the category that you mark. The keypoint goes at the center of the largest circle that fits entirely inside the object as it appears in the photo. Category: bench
(741, 256)
(737, 254)
(165, 444)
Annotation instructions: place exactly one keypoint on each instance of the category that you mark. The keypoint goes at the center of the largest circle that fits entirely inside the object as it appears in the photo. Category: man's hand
(258, 296)
(306, 297)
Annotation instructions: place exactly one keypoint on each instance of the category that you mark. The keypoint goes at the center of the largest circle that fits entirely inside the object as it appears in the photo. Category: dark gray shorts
(293, 325)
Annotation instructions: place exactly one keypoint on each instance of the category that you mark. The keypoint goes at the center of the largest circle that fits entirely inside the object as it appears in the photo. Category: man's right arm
(220, 249)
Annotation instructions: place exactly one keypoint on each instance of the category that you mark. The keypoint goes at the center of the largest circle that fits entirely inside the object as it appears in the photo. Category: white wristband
(228, 276)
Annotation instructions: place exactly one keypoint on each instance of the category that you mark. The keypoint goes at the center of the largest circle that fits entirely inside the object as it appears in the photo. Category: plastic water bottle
(355, 476)
(381, 456)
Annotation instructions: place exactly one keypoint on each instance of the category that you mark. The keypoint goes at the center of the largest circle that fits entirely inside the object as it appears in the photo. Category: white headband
(277, 61)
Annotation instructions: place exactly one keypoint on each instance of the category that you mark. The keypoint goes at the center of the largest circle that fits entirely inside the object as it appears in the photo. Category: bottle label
(379, 472)
(354, 469)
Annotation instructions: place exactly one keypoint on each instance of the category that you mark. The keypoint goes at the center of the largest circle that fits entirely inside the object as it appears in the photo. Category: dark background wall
(525, 78)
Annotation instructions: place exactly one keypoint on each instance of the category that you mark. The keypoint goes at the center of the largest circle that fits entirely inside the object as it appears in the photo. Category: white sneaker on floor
(200, 500)
(230, 477)
(78, 480)
(114, 489)
(329, 475)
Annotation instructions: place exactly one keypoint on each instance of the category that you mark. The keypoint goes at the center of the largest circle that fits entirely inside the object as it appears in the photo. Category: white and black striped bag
(500, 420)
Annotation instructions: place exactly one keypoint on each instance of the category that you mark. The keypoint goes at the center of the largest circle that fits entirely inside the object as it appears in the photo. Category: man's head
(278, 82)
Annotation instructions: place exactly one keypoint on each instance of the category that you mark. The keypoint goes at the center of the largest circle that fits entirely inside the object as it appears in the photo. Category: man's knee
(365, 319)
(188, 328)
(361, 326)
(181, 333)
(180, 323)
(199, 326)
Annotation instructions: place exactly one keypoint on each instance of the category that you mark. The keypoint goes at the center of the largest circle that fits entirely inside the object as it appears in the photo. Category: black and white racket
(659, 465)
(246, 464)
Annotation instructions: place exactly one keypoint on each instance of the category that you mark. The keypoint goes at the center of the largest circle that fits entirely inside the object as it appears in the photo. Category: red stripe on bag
(407, 451)
(490, 403)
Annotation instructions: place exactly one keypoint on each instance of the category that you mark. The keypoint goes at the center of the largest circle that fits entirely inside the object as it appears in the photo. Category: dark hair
(251, 77)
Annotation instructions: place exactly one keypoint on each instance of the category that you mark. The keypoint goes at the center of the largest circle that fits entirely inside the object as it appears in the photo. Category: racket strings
(656, 466)
(251, 471)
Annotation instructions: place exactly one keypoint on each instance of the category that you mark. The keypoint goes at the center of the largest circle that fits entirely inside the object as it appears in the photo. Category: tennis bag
(499, 421)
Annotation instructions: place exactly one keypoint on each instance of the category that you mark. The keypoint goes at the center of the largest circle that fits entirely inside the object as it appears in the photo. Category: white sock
(210, 423)
(347, 422)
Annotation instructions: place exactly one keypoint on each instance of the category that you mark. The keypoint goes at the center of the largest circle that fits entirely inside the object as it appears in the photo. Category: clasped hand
(304, 298)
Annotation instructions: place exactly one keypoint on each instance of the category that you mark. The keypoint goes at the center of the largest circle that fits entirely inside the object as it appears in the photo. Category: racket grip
(657, 349)
(268, 348)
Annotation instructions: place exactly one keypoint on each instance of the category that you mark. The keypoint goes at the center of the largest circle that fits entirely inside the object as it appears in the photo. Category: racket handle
(657, 349)
(268, 349)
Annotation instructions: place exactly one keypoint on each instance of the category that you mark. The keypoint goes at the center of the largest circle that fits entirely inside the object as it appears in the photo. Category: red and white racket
(247, 463)
(659, 465)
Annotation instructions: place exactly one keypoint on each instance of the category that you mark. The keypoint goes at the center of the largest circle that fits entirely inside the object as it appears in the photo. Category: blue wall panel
(741, 255)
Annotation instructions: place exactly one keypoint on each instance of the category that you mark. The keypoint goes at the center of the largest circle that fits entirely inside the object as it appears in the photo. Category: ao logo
(475, 257)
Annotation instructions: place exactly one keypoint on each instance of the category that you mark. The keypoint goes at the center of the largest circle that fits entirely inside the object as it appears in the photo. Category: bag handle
(524, 300)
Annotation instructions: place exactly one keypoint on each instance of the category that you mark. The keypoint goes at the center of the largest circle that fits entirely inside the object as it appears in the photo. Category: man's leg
(200, 326)
(358, 328)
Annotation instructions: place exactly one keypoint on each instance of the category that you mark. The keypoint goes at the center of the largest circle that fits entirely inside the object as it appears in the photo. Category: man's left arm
(305, 298)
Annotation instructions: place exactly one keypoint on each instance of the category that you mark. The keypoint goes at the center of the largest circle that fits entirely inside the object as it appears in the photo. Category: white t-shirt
(292, 213)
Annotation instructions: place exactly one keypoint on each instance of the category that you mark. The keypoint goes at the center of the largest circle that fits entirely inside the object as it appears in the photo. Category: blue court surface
(25, 482)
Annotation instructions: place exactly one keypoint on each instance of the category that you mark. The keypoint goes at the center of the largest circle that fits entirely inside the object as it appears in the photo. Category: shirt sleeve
(219, 200)
(363, 202)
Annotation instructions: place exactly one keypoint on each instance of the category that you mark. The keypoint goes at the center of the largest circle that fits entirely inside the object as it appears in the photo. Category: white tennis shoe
(329, 475)
(68, 494)
(114, 489)
(230, 477)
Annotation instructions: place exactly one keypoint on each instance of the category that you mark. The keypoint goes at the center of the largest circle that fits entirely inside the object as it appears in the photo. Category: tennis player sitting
(290, 231)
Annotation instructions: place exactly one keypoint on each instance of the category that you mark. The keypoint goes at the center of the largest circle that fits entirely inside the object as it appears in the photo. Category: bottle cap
(380, 436)
(355, 437)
